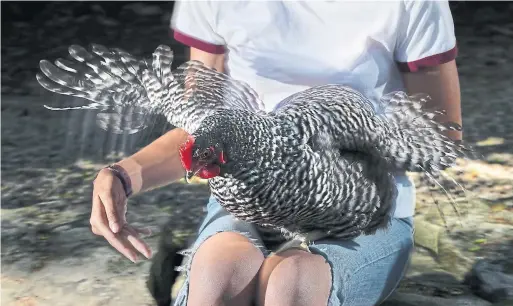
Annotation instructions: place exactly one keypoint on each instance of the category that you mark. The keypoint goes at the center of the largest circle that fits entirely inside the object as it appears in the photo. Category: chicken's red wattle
(186, 153)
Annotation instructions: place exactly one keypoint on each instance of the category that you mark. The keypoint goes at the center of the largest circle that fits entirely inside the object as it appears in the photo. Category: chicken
(320, 164)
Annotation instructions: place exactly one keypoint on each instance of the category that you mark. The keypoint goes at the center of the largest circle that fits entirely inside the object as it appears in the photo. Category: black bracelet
(123, 177)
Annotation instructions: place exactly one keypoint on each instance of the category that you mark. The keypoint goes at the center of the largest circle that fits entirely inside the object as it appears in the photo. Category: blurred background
(49, 158)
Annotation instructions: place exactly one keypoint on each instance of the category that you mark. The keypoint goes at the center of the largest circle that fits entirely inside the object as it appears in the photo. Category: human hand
(108, 217)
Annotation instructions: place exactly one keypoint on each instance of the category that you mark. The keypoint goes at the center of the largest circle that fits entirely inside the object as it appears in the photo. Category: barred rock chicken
(320, 164)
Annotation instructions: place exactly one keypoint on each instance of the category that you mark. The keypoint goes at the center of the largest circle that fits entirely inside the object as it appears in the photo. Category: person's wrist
(123, 177)
(121, 174)
(133, 171)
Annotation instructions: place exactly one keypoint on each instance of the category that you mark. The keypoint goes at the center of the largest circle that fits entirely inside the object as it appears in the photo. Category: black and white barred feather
(111, 78)
(321, 162)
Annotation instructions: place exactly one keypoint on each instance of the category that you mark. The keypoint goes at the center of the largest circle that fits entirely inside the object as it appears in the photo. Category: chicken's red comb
(186, 153)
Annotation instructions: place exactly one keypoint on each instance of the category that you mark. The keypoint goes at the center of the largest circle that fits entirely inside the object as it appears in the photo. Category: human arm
(158, 163)
(442, 84)
(426, 52)
(155, 165)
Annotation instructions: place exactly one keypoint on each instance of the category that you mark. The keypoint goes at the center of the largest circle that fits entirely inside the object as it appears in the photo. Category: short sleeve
(193, 24)
(426, 35)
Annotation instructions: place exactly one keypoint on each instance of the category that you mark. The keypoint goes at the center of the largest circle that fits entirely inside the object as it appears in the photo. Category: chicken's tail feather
(413, 140)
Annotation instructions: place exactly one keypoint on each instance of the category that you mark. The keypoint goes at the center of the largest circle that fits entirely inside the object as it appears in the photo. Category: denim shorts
(365, 270)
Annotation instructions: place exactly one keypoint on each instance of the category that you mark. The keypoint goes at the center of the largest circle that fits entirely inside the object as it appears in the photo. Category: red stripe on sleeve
(430, 61)
(198, 44)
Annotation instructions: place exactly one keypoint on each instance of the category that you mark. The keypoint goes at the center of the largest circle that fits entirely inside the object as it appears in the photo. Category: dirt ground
(49, 255)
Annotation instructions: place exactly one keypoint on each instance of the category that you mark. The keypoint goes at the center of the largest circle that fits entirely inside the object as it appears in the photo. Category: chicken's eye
(206, 154)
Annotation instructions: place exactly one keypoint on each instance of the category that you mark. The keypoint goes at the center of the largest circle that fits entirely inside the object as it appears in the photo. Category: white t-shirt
(283, 47)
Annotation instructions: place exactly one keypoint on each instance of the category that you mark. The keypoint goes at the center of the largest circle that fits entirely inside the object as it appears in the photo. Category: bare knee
(224, 270)
(294, 277)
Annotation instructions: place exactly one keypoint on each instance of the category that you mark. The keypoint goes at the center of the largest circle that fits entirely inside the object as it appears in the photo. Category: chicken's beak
(188, 176)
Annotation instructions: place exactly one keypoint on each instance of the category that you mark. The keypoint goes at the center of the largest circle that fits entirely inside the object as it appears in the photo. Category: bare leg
(294, 277)
(224, 271)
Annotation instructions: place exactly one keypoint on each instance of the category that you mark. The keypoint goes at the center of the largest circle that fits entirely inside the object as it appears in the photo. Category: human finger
(119, 242)
(110, 207)
(132, 236)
